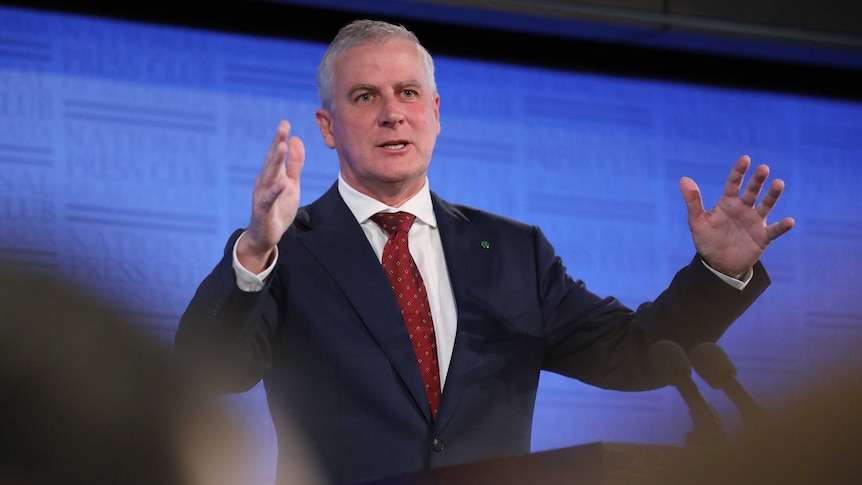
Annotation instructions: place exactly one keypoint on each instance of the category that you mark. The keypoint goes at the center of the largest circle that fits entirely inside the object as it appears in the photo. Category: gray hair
(359, 33)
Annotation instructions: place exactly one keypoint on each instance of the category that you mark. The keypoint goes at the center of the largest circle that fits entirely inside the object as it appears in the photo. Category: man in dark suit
(300, 300)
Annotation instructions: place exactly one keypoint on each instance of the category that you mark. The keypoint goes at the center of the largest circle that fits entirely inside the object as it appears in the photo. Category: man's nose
(391, 113)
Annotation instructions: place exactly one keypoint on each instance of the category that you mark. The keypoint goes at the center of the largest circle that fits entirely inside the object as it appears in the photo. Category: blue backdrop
(128, 153)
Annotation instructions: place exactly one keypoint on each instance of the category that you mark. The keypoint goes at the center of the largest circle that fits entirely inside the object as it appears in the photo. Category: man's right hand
(274, 201)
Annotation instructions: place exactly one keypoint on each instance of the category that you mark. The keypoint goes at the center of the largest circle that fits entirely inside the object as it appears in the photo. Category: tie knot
(393, 222)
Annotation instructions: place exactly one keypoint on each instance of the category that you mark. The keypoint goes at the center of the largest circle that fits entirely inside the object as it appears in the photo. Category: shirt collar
(363, 206)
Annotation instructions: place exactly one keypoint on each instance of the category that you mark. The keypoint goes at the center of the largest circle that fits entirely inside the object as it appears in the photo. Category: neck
(393, 194)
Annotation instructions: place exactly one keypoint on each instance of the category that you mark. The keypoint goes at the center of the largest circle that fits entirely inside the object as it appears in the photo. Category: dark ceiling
(805, 47)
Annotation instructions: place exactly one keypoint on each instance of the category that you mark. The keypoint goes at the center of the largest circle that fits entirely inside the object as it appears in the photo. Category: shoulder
(329, 206)
(472, 215)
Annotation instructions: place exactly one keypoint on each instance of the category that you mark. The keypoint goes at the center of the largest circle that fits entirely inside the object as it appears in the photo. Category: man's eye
(364, 97)
(409, 93)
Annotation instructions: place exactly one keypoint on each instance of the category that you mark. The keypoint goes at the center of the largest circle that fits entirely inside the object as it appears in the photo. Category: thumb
(691, 196)
(295, 157)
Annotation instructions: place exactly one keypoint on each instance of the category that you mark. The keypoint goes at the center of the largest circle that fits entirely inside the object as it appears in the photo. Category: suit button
(437, 444)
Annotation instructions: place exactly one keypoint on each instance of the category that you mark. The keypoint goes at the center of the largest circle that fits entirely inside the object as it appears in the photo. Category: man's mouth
(394, 146)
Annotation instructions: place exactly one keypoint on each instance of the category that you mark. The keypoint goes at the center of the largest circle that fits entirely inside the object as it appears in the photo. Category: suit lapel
(472, 272)
(338, 243)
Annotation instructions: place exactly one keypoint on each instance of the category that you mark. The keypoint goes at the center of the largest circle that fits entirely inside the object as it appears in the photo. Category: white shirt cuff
(245, 279)
(739, 284)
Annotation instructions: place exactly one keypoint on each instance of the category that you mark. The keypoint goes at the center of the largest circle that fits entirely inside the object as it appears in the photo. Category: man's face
(384, 120)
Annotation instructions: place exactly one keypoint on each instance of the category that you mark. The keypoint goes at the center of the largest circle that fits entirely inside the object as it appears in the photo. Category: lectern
(600, 463)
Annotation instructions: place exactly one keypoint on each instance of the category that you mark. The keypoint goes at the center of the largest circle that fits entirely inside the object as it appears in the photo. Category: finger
(692, 198)
(273, 163)
(295, 157)
(778, 229)
(776, 188)
(270, 194)
(755, 185)
(737, 175)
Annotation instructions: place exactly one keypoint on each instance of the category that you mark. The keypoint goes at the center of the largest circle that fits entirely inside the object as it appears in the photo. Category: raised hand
(274, 201)
(733, 235)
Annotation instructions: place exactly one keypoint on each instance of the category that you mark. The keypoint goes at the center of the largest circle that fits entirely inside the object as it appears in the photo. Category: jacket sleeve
(224, 335)
(603, 342)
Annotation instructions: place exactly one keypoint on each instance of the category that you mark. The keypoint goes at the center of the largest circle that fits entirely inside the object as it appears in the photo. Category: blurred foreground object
(88, 398)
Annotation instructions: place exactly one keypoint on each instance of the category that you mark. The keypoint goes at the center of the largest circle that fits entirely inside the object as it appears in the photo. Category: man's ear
(324, 122)
(437, 111)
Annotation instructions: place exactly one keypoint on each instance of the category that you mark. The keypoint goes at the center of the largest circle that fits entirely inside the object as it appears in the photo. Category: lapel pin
(485, 244)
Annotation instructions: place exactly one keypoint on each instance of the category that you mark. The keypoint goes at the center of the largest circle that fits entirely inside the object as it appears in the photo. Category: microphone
(715, 367)
(671, 364)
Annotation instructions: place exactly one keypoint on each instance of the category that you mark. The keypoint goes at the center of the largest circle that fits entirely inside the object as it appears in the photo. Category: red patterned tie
(410, 291)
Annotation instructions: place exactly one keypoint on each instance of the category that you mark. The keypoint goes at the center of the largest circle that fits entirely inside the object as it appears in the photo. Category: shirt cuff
(739, 284)
(245, 279)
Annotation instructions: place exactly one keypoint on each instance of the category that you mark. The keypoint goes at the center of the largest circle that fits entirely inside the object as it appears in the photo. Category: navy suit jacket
(327, 338)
